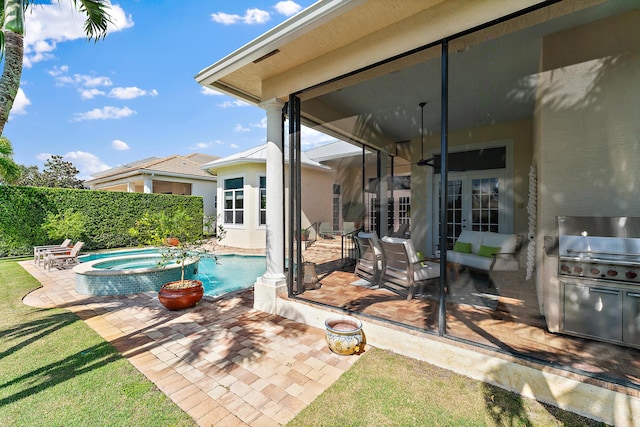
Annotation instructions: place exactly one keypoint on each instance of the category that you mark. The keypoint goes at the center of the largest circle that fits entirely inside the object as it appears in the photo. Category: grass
(385, 389)
(57, 371)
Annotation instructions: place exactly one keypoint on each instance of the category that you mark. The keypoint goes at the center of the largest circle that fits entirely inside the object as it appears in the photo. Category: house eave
(309, 18)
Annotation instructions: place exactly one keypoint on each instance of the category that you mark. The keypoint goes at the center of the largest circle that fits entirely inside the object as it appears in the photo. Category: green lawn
(385, 389)
(56, 371)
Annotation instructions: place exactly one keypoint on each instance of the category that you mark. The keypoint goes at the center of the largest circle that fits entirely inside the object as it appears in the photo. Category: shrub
(107, 216)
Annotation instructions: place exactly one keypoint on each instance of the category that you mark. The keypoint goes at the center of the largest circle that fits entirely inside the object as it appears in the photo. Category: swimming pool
(133, 271)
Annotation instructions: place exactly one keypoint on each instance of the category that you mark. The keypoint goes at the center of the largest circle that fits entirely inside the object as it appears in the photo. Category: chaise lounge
(39, 251)
(62, 258)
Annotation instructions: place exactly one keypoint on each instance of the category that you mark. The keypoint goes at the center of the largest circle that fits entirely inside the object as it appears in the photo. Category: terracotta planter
(344, 335)
(171, 241)
(180, 298)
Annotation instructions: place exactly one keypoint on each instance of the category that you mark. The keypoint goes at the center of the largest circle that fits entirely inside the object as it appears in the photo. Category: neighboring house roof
(333, 150)
(257, 155)
(175, 165)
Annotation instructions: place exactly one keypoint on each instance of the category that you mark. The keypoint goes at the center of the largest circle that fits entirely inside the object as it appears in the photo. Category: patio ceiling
(490, 82)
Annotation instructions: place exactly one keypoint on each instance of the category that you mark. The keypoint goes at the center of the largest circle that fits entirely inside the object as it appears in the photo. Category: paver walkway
(222, 362)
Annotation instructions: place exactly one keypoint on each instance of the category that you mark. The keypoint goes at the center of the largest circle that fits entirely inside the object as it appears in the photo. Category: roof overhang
(268, 44)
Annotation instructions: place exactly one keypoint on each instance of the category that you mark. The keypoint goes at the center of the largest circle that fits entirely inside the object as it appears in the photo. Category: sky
(133, 94)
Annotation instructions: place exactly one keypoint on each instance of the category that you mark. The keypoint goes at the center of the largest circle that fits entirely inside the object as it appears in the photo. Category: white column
(148, 184)
(273, 281)
(131, 187)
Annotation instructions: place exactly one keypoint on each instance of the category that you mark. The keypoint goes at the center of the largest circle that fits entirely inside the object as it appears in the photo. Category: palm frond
(98, 17)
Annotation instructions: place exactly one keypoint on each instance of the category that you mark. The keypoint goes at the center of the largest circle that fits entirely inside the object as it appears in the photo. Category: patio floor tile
(216, 361)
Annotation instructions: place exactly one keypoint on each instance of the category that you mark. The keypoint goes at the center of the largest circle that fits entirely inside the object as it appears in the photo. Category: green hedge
(110, 214)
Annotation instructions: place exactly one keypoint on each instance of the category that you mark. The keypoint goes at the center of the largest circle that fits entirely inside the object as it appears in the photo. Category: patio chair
(38, 251)
(326, 231)
(403, 271)
(62, 257)
(369, 263)
(348, 227)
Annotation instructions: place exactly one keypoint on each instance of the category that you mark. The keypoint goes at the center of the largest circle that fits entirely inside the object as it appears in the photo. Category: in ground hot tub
(128, 274)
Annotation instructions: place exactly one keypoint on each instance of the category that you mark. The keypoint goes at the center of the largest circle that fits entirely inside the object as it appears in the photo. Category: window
(234, 201)
(262, 213)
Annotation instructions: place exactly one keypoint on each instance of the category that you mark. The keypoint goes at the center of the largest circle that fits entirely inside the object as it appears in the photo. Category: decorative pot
(344, 335)
(171, 241)
(178, 298)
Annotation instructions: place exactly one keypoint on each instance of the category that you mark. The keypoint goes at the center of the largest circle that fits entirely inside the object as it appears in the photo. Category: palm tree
(9, 170)
(12, 37)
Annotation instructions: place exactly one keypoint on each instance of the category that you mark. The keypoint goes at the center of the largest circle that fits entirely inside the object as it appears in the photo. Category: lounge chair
(62, 257)
(403, 272)
(369, 264)
(38, 251)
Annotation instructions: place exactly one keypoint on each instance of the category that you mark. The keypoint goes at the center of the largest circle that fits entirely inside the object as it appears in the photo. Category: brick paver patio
(222, 362)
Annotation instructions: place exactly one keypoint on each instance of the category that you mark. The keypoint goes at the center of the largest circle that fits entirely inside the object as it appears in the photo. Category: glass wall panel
(541, 103)
(542, 122)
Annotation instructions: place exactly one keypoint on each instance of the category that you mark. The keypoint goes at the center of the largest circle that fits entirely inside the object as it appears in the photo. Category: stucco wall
(588, 121)
(249, 234)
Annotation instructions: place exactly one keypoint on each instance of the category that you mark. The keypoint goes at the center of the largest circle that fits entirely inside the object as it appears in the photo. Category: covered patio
(487, 117)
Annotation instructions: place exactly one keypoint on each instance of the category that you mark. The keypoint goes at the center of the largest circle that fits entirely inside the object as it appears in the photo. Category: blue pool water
(219, 275)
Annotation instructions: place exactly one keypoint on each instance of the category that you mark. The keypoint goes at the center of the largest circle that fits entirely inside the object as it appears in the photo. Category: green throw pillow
(488, 251)
(463, 247)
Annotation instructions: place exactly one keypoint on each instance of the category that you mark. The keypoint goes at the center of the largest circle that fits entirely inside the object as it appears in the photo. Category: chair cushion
(473, 237)
(429, 270)
(506, 242)
(408, 244)
(462, 247)
(488, 251)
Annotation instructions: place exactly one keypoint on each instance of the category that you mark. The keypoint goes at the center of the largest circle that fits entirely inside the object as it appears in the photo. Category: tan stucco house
(512, 114)
(174, 174)
(242, 190)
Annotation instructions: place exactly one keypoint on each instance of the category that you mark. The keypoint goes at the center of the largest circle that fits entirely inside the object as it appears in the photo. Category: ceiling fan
(423, 161)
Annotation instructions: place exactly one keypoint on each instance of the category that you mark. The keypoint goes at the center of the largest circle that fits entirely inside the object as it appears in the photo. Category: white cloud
(251, 16)
(261, 125)
(90, 93)
(210, 92)
(104, 113)
(20, 103)
(233, 103)
(43, 156)
(312, 138)
(50, 24)
(130, 92)
(86, 163)
(234, 146)
(287, 8)
(119, 145)
(239, 128)
(78, 80)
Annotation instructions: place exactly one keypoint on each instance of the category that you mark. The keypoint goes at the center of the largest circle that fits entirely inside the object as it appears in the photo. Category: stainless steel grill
(599, 278)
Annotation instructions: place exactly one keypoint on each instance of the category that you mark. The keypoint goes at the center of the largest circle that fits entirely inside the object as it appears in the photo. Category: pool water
(219, 275)
(230, 273)
(103, 255)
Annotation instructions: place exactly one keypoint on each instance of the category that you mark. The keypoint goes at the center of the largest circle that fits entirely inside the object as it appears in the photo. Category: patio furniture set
(393, 262)
(61, 255)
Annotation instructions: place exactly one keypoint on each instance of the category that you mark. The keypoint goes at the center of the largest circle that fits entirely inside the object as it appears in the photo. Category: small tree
(160, 228)
(67, 224)
(61, 174)
(9, 170)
